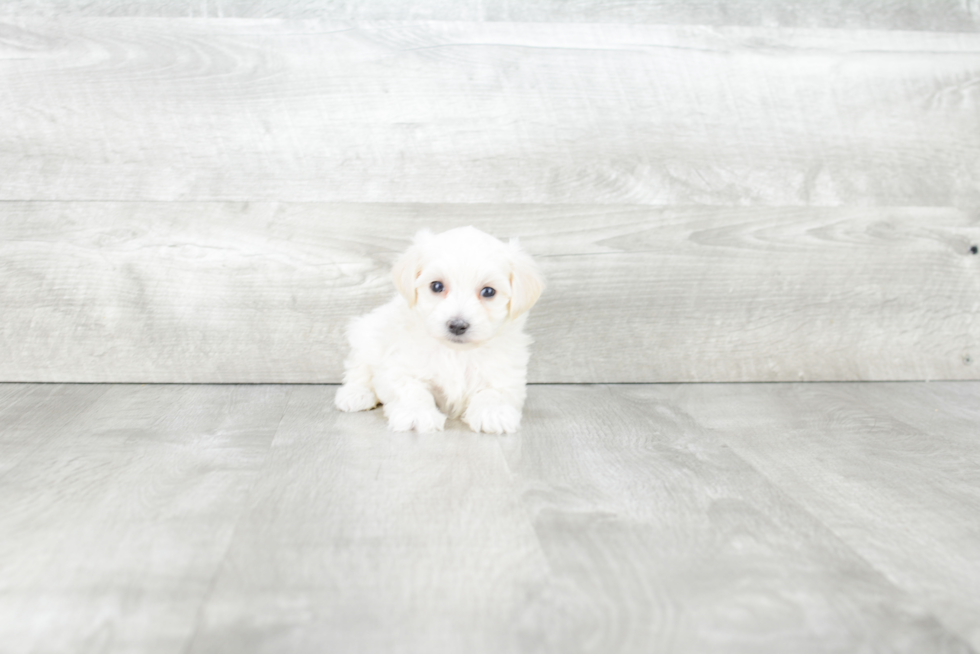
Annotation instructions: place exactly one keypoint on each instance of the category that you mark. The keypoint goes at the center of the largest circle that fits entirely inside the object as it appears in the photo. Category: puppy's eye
(436, 287)
(488, 292)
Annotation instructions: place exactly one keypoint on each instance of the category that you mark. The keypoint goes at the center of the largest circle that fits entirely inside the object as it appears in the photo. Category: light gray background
(204, 191)
(717, 191)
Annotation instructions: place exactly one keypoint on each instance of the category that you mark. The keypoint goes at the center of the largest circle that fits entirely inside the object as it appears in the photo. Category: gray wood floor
(634, 518)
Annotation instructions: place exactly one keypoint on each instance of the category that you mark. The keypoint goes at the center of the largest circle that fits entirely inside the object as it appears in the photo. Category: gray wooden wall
(204, 191)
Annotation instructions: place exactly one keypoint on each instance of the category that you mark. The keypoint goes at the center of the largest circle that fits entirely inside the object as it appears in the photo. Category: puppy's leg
(357, 393)
(495, 411)
(409, 405)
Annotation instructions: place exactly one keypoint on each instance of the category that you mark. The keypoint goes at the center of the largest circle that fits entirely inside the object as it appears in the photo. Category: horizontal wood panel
(940, 15)
(261, 292)
(182, 109)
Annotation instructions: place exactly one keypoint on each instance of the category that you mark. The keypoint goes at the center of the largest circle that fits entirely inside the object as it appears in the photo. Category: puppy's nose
(458, 326)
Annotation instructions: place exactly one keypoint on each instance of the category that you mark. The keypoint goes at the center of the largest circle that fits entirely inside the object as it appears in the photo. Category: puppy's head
(466, 284)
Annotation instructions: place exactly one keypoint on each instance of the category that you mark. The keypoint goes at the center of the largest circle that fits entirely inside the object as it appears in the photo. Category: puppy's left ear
(526, 282)
(408, 268)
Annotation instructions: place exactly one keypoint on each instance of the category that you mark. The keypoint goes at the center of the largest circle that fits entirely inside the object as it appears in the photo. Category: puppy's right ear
(408, 267)
(525, 280)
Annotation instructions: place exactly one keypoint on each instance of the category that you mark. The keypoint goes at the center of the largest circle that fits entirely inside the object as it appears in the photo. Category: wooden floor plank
(631, 518)
(559, 113)
(33, 413)
(939, 15)
(891, 469)
(360, 540)
(262, 292)
(115, 524)
(663, 539)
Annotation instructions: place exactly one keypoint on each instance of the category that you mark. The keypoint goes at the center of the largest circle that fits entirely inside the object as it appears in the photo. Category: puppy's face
(466, 284)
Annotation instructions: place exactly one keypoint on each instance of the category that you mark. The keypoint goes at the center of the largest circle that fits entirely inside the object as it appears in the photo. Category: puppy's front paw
(407, 418)
(493, 418)
(353, 397)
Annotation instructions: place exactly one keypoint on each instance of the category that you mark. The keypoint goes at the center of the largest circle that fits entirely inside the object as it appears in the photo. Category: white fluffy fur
(404, 356)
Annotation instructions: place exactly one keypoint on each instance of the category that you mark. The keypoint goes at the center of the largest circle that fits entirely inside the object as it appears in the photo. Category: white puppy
(452, 342)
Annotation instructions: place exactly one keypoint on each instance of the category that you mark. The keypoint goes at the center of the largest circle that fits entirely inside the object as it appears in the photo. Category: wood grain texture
(114, 524)
(940, 15)
(891, 469)
(360, 540)
(256, 109)
(26, 418)
(660, 538)
(684, 519)
(260, 292)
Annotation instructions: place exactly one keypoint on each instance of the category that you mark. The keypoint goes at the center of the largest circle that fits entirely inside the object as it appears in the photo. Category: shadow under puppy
(452, 343)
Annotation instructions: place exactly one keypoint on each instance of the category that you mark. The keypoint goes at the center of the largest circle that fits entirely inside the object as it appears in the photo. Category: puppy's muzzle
(458, 327)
